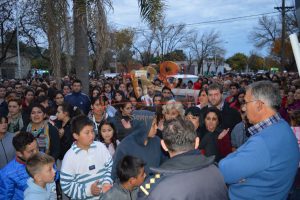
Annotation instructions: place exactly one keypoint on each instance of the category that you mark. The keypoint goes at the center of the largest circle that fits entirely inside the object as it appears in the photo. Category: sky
(235, 33)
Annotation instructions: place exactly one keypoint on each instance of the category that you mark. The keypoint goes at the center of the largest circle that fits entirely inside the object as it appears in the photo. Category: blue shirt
(265, 166)
(36, 192)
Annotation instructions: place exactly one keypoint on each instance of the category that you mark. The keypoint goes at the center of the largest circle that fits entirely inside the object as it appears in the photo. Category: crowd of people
(238, 137)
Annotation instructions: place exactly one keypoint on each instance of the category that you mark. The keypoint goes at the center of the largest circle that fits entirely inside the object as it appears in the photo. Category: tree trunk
(208, 67)
(200, 66)
(101, 36)
(53, 33)
(67, 39)
(81, 43)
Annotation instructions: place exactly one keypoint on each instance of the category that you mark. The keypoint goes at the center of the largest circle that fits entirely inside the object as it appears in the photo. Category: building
(193, 68)
(9, 69)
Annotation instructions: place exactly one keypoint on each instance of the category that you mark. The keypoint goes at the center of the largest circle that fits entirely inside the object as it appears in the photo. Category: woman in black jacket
(65, 113)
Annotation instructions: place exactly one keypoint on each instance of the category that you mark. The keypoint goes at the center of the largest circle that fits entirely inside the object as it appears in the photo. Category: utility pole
(18, 45)
(283, 10)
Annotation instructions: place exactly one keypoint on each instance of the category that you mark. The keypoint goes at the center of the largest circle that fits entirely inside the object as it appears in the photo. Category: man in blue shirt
(77, 98)
(265, 166)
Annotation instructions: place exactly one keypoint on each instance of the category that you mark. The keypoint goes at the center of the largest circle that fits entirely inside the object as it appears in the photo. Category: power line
(217, 21)
(233, 18)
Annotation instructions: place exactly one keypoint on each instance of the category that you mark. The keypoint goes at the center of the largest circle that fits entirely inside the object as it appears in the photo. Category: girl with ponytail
(65, 113)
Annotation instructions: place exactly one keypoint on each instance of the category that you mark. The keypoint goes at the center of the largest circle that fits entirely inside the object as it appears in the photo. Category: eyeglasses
(246, 102)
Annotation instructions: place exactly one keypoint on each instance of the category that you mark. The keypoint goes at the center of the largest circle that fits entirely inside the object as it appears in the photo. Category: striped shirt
(264, 124)
(81, 168)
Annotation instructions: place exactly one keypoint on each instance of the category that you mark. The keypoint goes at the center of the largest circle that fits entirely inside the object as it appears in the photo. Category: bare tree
(203, 46)
(145, 47)
(266, 32)
(33, 27)
(7, 29)
(169, 37)
(219, 54)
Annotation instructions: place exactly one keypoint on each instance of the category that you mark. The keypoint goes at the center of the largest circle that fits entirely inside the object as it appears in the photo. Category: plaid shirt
(264, 124)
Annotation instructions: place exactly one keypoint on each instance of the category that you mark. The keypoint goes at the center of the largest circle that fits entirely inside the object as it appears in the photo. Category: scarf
(42, 137)
(16, 124)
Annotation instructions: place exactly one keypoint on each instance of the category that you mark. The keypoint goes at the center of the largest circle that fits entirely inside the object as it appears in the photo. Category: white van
(185, 78)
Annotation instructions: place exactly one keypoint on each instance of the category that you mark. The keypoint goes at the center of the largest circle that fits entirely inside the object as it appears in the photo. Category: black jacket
(66, 140)
(188, 176)
(122, 132)
(230, 117)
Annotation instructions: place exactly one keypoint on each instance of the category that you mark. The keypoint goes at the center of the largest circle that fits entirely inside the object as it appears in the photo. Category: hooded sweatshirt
(134, 144)
(36, 192)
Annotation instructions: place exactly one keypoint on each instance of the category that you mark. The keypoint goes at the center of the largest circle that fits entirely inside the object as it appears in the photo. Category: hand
(61, 132)
(126, 124)
(51, 122)
(106, 187)
(223, 134)
(95, 190)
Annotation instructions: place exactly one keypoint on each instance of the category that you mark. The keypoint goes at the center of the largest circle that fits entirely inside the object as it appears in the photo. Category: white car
(111, 75)
(185, 78)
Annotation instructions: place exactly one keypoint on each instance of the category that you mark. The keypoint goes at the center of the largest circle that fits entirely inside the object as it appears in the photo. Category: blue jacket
(13, 181)
(265, 166)
(79, 100)
(36, 192)
(133, 144)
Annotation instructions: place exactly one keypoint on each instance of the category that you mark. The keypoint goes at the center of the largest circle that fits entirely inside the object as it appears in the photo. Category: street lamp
(18, 45)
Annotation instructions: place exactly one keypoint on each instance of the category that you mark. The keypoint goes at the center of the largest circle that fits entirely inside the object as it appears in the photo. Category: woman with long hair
(213, 133)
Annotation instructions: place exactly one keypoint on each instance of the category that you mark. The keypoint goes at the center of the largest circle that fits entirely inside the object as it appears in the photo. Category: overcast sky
(194, 12)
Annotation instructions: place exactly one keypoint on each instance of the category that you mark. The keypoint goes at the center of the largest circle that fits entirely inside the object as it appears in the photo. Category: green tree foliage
(177, 55)
(40, 63)
(256, 62)
(151, 11)
(123, 41)
(238, 61)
